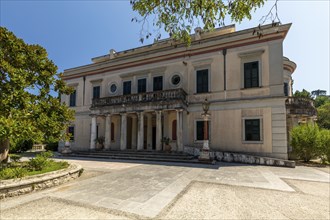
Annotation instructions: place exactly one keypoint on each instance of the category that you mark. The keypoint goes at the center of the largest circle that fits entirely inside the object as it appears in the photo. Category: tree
(179, 17)
(319, 92)
(28, 110)
(305, 141)
(303, 94)
(323, 115)
(321, 100)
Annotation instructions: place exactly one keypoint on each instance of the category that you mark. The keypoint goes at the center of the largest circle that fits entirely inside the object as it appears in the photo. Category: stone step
(138, 155)
(132, 157)
(116, 152)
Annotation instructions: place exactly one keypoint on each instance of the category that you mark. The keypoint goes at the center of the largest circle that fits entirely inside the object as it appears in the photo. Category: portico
(142, 120)
(140, 130)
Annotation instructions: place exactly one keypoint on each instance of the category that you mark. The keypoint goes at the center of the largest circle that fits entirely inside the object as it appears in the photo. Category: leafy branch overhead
(28, 111)
(178, 17)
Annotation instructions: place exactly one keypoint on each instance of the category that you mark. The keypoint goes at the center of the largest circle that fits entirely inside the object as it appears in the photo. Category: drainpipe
(224, 52)
(84, 78)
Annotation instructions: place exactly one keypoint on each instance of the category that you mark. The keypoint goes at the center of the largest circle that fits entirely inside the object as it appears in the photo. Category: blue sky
(73, 32)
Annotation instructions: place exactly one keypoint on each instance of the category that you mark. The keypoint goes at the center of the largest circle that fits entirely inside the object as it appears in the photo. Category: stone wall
(242, 158)
(16, 187)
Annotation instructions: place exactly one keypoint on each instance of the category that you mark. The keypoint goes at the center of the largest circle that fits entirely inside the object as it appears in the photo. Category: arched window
(174, 130)
(112, 131)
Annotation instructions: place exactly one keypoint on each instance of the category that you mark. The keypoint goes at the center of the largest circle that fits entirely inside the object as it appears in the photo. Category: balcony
(174, 98)
(300, 106)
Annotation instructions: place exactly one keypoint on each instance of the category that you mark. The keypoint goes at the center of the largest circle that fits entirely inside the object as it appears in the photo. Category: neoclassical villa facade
(135, 98)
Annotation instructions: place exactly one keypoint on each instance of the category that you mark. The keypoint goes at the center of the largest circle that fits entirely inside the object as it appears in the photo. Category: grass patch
(38, 165)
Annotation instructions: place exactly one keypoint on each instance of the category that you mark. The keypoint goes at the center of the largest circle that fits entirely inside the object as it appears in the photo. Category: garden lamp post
(205, 154)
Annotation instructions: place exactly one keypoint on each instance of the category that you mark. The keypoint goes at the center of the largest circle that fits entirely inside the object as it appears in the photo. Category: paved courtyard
(140, 190)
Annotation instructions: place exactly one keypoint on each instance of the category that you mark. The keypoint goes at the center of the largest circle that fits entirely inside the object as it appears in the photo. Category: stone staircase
(137, 155)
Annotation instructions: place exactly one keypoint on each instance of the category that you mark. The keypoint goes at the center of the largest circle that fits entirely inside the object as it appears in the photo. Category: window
(73, 99)
(202, 80)
(200, 130)
(71, 132)
(251, 74)
(142, 85)
(175, 80)
(127, 88)
(252, 129)
(158, 83)
(112, 131)
(96, 92)
(174, 130)
(113, 88)
(286, 89)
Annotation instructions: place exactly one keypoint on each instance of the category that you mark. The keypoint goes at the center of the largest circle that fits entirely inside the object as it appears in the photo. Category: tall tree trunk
(4, 149)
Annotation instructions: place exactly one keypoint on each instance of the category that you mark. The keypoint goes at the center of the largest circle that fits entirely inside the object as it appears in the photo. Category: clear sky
(73, 32)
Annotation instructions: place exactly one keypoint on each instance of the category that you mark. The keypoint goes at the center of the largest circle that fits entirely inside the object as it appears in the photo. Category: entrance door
(154, 138)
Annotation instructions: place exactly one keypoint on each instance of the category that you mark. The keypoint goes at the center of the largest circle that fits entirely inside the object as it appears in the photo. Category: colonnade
(137, 137)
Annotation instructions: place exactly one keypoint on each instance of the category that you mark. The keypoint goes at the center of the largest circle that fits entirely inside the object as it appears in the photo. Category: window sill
(259, 87)
(252, 142)
(202, 93)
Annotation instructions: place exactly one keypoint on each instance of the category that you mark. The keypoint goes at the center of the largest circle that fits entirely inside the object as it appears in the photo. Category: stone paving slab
(145, 189)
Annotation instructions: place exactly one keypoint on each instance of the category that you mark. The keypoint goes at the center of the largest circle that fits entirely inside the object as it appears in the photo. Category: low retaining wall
(16, 187)
(242, 158)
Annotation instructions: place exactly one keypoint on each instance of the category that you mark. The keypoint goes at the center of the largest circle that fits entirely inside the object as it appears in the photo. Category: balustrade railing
(156, 96)
(299, 105)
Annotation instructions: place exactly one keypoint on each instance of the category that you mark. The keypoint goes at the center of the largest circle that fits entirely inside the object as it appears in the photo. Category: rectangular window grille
(142, 85)
(71, 132)
(252, 129)
(286, 89)
(73, 99)
(96, 92)
(158, 83)
(127, 88)
(251, 74)
(202, 81)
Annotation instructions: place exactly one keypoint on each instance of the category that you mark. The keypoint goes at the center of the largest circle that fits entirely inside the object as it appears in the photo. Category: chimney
(112, 53)
(198, 32)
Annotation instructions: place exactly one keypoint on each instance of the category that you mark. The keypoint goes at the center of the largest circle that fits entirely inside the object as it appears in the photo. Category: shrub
(13, 172)
(324, 141)
(22, 145)
(15, 157)
(53, 146)
(305, 141)
(40, 161)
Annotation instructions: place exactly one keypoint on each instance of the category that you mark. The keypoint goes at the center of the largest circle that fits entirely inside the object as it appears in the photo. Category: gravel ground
(52, 208)
(215, 201)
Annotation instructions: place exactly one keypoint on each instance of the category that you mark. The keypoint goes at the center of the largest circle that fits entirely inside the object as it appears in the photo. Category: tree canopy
(179, 17)
(27, 108)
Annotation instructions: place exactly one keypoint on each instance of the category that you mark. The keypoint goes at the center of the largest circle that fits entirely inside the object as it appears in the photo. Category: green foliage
(40, 161)
(52, 146)
(28, 111)
(304, 140)
(324, 141)
(15, 157)
(13, 172)
(179, 17)
(323, 116)
(321, 100)
(302, 94)
(21, 146)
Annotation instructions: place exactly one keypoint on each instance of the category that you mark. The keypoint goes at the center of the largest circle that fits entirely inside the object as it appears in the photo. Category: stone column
(140, 142)
(134, 132)
(179, 121)
(107, 137)
(149, 132)
(123, 131)
(159, 135)
(93, 132)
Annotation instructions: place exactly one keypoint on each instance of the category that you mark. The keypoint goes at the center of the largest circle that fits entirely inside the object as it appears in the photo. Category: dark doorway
(154, 138)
